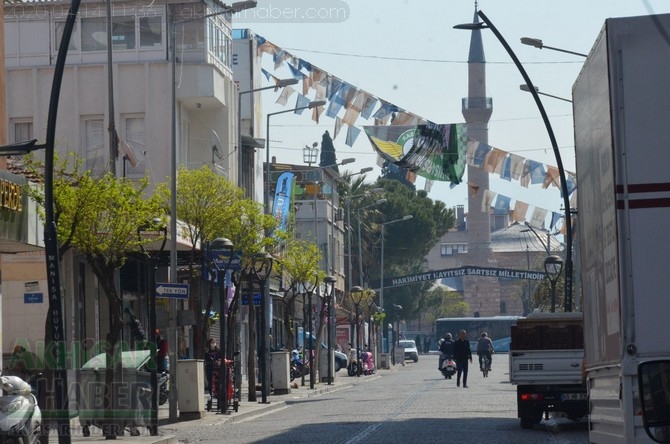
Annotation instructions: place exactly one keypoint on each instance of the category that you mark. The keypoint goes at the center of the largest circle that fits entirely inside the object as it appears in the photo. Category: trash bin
(191, 379)
(323, 365)
(132, 395)
(384, 361)
(281, 372)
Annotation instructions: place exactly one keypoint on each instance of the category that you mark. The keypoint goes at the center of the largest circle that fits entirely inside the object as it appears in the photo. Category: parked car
(411, 352)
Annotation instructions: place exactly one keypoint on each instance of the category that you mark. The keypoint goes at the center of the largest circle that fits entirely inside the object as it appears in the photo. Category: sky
(407, 53)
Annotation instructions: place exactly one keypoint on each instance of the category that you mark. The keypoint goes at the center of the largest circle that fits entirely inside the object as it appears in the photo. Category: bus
(498, 329)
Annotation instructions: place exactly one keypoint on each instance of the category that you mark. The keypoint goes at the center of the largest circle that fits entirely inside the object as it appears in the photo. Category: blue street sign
(33, 298)
(257, 300)
(172, 291)
(221, 257)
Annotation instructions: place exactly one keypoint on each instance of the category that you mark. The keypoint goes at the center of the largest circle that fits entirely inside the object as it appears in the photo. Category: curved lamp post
(381, 265)
(220, 252)
(311, 105)
(552, 266)
(151, 300)
(281, 83)
(262, 266)
(559, 162)
(360, 243)
(356, 294)
(530, 41)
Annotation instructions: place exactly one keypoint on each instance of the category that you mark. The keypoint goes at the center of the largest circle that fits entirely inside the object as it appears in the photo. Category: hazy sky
(407, 52)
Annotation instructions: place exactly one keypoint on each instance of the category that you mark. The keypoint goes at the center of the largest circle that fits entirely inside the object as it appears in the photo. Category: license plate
(573, 397)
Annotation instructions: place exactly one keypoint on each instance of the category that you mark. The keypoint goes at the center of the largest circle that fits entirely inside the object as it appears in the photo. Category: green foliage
(328, 156)
(440, 303)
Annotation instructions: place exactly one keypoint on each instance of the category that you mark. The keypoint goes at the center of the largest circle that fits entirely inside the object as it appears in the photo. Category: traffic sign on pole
(172, 290)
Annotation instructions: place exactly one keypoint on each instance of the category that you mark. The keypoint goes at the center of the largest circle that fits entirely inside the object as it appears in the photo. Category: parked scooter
(299, 367)
(163, 387)
(367, 363)
(352, 366)
(20, 416)
(448, 367)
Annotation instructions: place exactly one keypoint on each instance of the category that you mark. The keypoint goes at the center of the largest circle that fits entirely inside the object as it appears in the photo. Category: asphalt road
(405, 404)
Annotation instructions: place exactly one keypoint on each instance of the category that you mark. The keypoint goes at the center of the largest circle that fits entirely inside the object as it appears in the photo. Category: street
(404, 404)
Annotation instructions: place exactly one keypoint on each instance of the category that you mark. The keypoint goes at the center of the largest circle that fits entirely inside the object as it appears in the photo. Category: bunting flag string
(523, 212)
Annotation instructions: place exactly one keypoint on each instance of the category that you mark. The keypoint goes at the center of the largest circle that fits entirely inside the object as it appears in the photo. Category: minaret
(477, 110)
(482, 293)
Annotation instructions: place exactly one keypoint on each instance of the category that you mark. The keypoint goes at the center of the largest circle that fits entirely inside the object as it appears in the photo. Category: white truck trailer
(621, 102)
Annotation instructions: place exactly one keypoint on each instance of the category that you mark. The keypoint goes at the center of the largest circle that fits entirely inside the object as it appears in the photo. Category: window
(93, 145)
(151, 31)
(93, 34)
(59, 26)
(123, 32)
(134, 138)
(23, 131)
(451, 249)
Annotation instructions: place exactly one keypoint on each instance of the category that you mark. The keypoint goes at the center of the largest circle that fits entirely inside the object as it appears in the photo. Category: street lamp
(57, 334)
(396, 343)
(235, 7)
(311, 105)
(310, 154)
(220, 252)
(552, 266)
(312, 343)
(347, 201)
(360, 240)
(525, 88)
(328, 300)
(356, 294)
(559, 162)
(261, 268)
(530, 41)
(281, 83)
(160, 229)
(381, 269)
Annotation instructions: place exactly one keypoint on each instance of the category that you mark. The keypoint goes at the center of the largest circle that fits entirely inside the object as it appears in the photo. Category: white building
(138, 102)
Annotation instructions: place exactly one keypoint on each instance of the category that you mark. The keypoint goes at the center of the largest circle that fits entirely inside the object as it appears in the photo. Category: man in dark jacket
(446, 349)
(462, 355)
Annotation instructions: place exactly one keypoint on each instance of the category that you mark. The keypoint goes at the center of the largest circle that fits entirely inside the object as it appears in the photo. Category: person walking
(462, 355)
(484, 348)
(212, 360)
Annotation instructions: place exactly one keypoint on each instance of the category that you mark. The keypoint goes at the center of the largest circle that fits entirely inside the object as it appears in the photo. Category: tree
(99, 217)
(298, 266)
(441, 303)
(208, 204)
(328, 156)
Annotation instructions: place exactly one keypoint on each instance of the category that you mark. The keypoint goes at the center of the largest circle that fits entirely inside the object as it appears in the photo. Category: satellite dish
(216, 143)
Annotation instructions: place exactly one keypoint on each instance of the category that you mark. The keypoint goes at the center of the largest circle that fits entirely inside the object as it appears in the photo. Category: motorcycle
(367, 363)
(20, 416)
(163, 387)
(448, 367)
(352, 366)
(299, 368)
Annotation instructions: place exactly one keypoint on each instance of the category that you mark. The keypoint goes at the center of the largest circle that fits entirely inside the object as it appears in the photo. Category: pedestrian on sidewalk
(462, 355)
(212, 359)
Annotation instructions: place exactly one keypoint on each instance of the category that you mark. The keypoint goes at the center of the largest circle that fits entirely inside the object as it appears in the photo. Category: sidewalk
(246, 410)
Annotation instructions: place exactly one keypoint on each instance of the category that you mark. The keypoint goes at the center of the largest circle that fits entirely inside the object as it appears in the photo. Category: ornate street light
(156, 227)
(356, 297)
(328, 300)
(220, 254)
(553, 265)
(310, 154)
(310, 292)
(261, 268)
